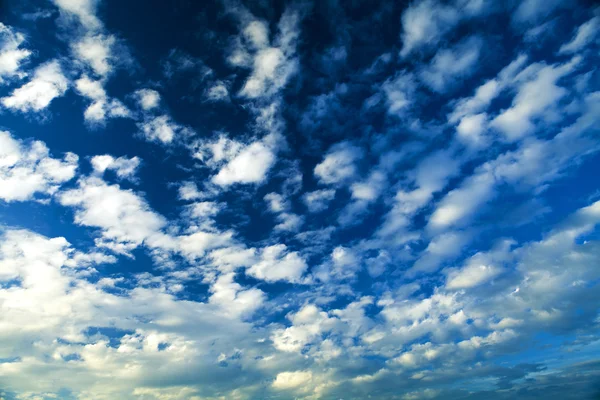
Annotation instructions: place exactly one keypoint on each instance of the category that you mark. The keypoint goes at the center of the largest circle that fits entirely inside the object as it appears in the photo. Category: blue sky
(299, 200)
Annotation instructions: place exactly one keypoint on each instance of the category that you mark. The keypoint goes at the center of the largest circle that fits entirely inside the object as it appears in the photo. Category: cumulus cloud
(101, 106)
(450, 65)
(124, 168)
(272, 62)
(276, 263)
(95, 52)
(318, 200)
(160, 129)
(585, 35)
(148, 99)
(83, 10)
(339, 164)
(250, 165)
(47, 83)
(125, 219)
(28, 170)
(12, 55)
(537, 95)
(292, 380)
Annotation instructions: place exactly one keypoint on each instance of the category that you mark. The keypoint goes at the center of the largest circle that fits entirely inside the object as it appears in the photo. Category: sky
(360, 199)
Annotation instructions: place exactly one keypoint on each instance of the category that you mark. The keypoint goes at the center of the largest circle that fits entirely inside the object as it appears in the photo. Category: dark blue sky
(315, 200)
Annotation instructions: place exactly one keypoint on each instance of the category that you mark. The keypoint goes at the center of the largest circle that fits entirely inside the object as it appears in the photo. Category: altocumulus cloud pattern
(365, 199)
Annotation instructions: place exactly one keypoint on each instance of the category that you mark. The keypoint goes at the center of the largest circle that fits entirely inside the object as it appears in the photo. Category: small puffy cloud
(95, 51)
(487, 92)
(339, 164)
(12, 55)
(217, 92)
(531, 11)
(461, 203)
(585, 34)
(159, 129)
(425, 22)
(449, 65)
(250, 165)
(101, 106)
(277, 264)
(148, 98)
(47, 83)
(441, 248)
(471, 130)
(318, 200)
(189, 191)
(536, 97)
(472, 275)
(125, 219)
(399, 91)
(28, 169)
(83, 10)
(125, 168)
(271, 62)
(233, 299)
(292, 380)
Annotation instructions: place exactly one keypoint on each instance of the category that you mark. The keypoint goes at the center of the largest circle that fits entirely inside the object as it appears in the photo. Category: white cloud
(28, 169)
(318, 200)
(339, 164)
(101, 106)
(308, 324)
(48, 83)
(399, 91)
(450, 65)
(487, 92)
(272, 62)
(425, 22)
(125, 219)
(536, 98)
(124, 167)
(277, 264)
(95, 51)
(471, 130)
(233, 299)
(460, 204)
(159, 129)
(12, 56)
(441, 248)
(250, 165)
(586, 33)
(148, 98)
(84, 10)
(292, 380)
(472, 275)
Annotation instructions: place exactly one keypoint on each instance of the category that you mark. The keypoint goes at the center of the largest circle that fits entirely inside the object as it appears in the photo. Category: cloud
(102, 106)
(95, 52)
(28, 170)
(277, 264)
(148, 98)
(585, 34)
(83, 10)
(292, 380)
(536, 97)
(160, 129)
(272, 63)
(338, 166)
(318, 200)
(250, 165)
(125, 168)
(125, 219)
(12, 56)
(449, 65)
(48, 83)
